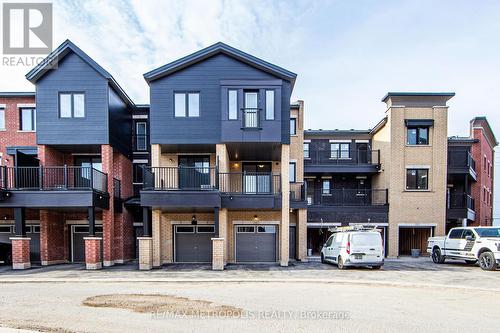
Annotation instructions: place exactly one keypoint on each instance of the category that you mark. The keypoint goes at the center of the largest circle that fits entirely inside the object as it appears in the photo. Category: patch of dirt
(144, 303)
(32, 326)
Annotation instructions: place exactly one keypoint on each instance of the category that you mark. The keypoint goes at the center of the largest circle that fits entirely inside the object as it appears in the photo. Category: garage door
(291, 243)
(32, 231)
(78, 232)
(193, 243)
(413, 238)
(256, 243)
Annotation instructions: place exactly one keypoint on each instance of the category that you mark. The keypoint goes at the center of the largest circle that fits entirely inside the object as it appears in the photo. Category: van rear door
(366, 245)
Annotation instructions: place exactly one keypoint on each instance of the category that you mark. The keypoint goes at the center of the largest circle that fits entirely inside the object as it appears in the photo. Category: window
(329, 241)
(306, 150)
(28, 119)
(140, 136)
(269, 104)
(233, 104)
(291, 170)
(293, 126)
(187, 104)
(2, 119)
(418, 136)
(71, 105)
(456, 234)
(339, 150)
(484, 163)
(205, 229)
(468, 232)
(245, 230)
(326, 187)
(267, 229)
(417, 179)
(184, 229)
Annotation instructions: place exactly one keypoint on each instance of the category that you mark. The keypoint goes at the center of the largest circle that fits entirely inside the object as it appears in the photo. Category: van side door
(329, 248)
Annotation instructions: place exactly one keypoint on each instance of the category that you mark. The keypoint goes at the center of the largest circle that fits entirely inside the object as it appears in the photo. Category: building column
(53, 245)
(20, 243)
(301, 234)
(108, 215)
(223, 220)
(284, 231)
(93, 258)
(146, 242)
(156, 235)
(217, 244)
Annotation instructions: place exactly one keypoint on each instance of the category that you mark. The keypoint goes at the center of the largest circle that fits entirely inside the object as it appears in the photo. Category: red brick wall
(54, 236)
(483, 155)
(92, 251)
(20, 251)
(12, 136)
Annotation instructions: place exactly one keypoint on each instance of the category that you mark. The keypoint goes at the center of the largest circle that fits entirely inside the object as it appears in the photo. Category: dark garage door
(32, 231)
(78, 232)
(193, 243)
(256, 243)
(291, 243)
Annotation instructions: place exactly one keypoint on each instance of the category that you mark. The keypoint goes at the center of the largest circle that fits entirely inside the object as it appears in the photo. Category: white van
(354, 248)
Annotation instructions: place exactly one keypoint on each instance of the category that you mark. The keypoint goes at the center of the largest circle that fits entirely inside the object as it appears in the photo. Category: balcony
(460, 206)
(57, 186)
(348, 205)
(342, 161)
(298, 198)
(250, 119)
(250, 190)
(461, 162)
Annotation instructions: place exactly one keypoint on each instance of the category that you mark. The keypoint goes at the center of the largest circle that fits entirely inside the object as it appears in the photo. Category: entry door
(257, 178)
(194, 172)
(291, 243)
(362, 153)
(251, 113)
(78, 232)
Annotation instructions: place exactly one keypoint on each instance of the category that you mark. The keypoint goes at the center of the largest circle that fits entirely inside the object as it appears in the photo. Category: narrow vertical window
(180, 105)
(78, 105)
(194, 105)
(65, 105)
(233, 104)
(28, 119)
(141, 136)
(326, 186)
(293, 126)
(292, 172)
(2, 119)
(269, 104)
(306, 150)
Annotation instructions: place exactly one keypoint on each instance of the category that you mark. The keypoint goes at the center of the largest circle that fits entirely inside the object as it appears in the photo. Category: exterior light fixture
(193, 220)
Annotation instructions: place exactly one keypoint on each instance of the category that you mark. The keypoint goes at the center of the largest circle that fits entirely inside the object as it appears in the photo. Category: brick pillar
(223, 232)
(53, 245)
(145, 253)
(284, 231)
(301, 234)
(217, 254)
(20, 252)
(156, 226)
(108, 219)
(93, 258)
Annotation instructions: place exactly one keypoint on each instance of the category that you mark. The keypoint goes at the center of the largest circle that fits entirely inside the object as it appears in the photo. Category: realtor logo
(27, 28)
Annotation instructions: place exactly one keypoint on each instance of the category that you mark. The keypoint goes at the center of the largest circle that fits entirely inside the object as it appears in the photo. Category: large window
(71, 105)
(292, 172)
(187, 104)
(141, 136)
(2, 119)
(306, 150)
(339, 150)
(269, 104)
(417, 179)
(293, 126)
(418, 136)
(28, 119)
(233, 104)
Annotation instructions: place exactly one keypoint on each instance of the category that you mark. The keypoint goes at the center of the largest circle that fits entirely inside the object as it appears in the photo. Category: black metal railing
(53, 178)
(348, 197)
(343, 157)
(179, 178)
(140, 142)
(460, 201)
(461, 159)
(250, 183)
(250, 118)
(298, 191)
(117, 188)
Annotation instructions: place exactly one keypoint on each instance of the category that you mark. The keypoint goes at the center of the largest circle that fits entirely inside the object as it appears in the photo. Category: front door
(257, 178)
(251, 114)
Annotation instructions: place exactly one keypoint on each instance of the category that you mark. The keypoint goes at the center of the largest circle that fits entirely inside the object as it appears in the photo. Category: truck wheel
(487, 261)
(470, 262)
(340, 263)
(322, 258)
(437, 257)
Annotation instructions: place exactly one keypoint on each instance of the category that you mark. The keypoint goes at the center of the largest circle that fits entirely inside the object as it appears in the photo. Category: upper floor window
(293, 126)
(72, 105)
(2, 119)
(339, 150)
(306, 150)
(28, 119)
(187, 104)
(417, 179)
(326, 187)
(417, 136)
(141, 135)
(292, 172)
(269, 104)
(233, 104)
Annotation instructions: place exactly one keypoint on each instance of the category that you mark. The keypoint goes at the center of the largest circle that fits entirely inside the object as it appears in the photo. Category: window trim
(145, 135)
(2, 111)
(294, 163)
(186, 94)
(72, 104)
(274, 104)
(340, 150)
(294, 119)
(308, 150)
(418, 128)
(229, 105)
(33, 119)
(417, 189)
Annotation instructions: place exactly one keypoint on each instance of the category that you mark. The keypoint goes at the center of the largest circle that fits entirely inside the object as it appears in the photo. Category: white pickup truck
(471, 244)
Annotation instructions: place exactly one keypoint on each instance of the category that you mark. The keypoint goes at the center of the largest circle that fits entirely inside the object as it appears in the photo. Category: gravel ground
(406, 296)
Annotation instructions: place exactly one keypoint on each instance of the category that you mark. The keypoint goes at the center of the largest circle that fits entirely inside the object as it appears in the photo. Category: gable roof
(63, 50)
(216, 49)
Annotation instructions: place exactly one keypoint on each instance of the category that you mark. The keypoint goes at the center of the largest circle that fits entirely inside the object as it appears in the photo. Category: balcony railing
(250, 183)
(461, 159)
(179, 178)
(53, 178)
(250, 118)
(343, 157)
(348, 197)
(460, 201)
(298, 192)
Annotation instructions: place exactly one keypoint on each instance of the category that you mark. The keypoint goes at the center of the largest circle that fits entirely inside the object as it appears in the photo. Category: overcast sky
(347, 54)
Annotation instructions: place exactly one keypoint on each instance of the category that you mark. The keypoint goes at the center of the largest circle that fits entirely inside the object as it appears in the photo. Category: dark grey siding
(204, 77)
(120, 124)
(72, 75)
(285, 113)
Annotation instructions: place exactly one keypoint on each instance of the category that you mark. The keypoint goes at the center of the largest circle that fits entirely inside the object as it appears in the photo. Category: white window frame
(3, 126)
(308, 150)
(185, 102)
(32, 117)
(72, 95)
(145, 135)
(232, 114)
(270, 104)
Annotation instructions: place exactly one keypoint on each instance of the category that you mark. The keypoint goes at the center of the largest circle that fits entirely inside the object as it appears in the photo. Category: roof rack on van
(356, 227)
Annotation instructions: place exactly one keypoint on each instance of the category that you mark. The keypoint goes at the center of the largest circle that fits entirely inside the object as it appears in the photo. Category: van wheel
(437, 257)
(487, 261)
(340, 263)
(376, 267)
(323, 259)
(470, 262)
